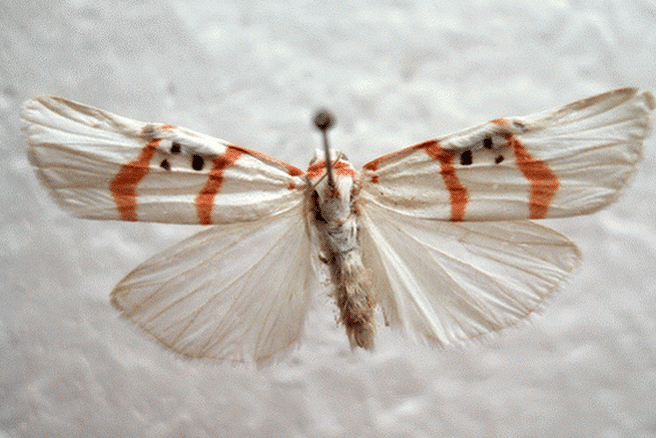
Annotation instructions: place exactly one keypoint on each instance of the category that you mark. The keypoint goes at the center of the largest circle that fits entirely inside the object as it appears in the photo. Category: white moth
(436, 234)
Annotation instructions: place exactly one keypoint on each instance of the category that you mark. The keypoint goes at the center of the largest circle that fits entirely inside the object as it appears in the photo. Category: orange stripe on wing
(373, 165)
(458, 194)
(293, 171)
(543, 182)
(205, 199)
(124, 185)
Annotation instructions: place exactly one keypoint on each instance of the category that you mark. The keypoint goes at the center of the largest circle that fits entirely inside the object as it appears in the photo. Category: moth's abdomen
(354, 300)
(341, 250)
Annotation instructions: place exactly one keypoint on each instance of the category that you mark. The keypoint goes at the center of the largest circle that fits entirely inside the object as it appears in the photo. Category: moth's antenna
(325, 121)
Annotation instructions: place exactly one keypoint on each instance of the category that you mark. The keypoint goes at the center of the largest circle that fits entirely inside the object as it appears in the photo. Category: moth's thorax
(334, 207)
(333, 202)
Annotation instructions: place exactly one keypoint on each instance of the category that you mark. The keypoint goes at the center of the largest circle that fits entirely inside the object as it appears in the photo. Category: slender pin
(325, 121)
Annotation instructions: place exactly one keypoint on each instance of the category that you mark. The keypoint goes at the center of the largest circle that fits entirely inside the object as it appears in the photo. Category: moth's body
(334, 214)
(437, 234)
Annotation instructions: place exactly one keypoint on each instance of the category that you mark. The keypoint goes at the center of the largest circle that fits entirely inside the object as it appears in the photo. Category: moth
(438, 235)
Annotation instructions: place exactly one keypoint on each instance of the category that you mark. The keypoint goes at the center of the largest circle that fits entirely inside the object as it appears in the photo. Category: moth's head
(334, 154)
(317, 172)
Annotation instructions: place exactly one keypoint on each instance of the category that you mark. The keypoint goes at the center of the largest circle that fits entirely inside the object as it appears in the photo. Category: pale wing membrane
(102, 166)
(563, 162)
(235, 292)
(452, 281)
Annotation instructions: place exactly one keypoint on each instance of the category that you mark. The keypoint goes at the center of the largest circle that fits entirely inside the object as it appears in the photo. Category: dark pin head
(324, 120)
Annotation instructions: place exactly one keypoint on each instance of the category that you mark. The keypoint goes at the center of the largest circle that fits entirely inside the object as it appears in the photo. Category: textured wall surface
(396, 73)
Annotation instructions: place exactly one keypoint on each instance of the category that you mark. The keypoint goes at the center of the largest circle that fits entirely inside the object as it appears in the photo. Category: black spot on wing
(165, 165)
(499, 159)
(197, 162)
(175, 148)
(488, 143)
(466, 158)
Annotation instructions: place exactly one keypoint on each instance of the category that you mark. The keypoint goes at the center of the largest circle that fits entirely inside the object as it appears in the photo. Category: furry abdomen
(341, 252)
(352, 295)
